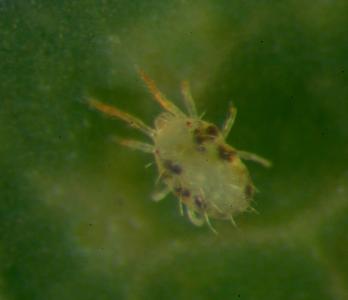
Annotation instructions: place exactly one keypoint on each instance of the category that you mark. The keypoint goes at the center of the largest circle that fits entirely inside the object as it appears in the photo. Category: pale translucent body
(221, 184)
(193, 159)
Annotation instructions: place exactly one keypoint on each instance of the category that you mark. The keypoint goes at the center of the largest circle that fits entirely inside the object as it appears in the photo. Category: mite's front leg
(228, 124)
(254, 157)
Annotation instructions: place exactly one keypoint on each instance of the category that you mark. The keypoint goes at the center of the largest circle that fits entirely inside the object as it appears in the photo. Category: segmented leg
(160, 194)
(194, 218)
(231, 117)
(136, 145)
(254, 157)
(188, 99)
(116, 113)
(158, 95)
(206, 217)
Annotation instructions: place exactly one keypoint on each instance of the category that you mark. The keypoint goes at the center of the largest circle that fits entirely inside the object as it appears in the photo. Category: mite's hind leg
(194, 218)
(158, 95)
(160, 193)
(254, 157)
(188, 99)
(136, 145)
(206, 217)
(116, 113)
(231, 117)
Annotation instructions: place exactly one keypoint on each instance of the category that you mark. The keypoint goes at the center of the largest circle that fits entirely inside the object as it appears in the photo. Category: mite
(193, 159)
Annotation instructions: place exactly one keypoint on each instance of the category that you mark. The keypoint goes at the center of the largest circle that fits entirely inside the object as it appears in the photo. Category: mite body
(193, 159)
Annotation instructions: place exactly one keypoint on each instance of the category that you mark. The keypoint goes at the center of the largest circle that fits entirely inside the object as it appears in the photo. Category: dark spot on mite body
(172, 167)
(188, 123)
(198, 136)
(202, 135)
(178, 190)
(249, 191)
(226, 153)
(199, 202)
(212, 131)
(185, 193)
(182, 192)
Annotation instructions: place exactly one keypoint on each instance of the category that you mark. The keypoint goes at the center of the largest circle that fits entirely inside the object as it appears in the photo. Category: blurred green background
(76, 218)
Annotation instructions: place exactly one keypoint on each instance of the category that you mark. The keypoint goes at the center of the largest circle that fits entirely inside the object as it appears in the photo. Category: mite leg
(116, 113)
(233, 221)
(254, 157)
(181, 208)
(161, 174)
(253, 210)
(194, 218)
(188, 99)
(206, 217)
(160, 194)
(231, 117)
(148, 165)
(136, 145)
(159, 97)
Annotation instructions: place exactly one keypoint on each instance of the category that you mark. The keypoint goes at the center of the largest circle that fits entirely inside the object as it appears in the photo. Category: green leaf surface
(76, 216)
